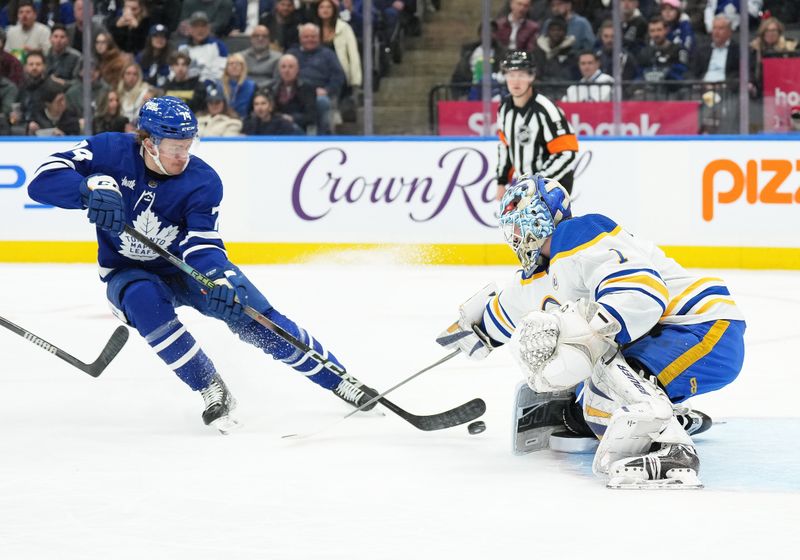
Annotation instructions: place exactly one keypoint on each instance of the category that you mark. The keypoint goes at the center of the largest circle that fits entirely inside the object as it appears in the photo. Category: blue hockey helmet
(531, 209)
(167, 117)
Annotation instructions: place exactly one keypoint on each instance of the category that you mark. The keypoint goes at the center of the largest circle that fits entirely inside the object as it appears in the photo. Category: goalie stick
(109, 352)
(459, 415)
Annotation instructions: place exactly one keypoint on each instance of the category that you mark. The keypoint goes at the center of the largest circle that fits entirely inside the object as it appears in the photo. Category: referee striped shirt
(536, 138)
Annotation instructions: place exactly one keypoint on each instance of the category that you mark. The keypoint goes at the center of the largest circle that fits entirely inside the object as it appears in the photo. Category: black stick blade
(112, 348)
(462, 414)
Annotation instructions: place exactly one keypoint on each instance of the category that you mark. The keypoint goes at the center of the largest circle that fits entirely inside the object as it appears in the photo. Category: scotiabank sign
(639, 118)
(781, 92)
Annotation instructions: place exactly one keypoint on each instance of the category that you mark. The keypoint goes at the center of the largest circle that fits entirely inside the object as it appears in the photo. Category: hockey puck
(477, 427)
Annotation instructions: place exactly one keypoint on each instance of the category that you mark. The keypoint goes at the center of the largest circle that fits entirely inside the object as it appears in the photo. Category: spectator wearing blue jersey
(247, 13)
(679, 27)
(732, 10)
(320, 68)
(55, 11)
(154, 58)
(152, 178)
(238, 88)
(660, 59)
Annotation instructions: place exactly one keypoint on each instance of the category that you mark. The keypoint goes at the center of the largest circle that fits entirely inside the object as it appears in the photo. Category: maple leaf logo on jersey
(149, 224)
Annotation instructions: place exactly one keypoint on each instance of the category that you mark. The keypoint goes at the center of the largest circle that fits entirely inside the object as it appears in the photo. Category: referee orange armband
(565, 143)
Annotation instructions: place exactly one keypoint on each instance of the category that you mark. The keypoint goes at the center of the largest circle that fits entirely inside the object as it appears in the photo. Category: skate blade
(661, 484)
(226, 424)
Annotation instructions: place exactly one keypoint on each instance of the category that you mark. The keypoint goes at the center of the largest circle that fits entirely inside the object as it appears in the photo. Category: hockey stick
(454, 417)
(109, 352)
(477, 403)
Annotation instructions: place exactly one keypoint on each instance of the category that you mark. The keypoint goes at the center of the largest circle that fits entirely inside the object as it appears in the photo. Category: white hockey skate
(674, 466)
(219, 406)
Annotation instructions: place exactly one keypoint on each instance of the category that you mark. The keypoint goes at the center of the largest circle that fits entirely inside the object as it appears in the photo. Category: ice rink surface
(122, 467)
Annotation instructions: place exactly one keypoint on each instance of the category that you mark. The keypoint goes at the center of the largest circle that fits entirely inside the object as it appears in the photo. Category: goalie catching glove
(557, 350)
(466, 334)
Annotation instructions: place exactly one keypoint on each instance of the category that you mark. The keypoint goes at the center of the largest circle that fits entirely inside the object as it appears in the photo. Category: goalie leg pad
(535, 417)
(629, 412)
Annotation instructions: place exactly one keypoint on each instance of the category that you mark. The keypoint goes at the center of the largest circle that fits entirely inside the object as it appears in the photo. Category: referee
(535, 136)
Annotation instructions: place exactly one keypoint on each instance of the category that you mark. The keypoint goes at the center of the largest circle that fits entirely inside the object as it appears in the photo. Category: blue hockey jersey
(179, 212)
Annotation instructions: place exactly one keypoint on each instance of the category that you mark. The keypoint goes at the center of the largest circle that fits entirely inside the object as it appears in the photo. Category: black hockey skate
(356, 393)
(219, 405)
(693, 421)
(673, 465)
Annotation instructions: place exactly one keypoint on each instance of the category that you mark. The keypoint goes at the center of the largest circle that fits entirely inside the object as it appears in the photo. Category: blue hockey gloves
(100, 195)
(228, 298)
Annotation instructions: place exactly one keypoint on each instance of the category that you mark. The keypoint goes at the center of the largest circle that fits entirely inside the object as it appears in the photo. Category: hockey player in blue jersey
(599, 312)
(150, 181)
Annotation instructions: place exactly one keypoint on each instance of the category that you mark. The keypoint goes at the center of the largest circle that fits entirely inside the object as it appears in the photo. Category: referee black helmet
(517, 60)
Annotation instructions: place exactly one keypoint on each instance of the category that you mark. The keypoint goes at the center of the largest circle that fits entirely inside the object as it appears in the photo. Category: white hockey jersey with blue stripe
(594, 258)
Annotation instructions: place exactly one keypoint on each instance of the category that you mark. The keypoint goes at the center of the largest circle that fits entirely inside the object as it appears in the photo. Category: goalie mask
(530, 211)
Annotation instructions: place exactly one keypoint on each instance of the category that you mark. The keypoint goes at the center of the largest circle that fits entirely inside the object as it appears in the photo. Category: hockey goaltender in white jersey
(611, 335)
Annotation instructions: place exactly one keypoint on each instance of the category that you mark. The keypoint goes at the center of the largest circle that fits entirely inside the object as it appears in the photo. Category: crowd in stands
(666, 45)
(245, 66)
